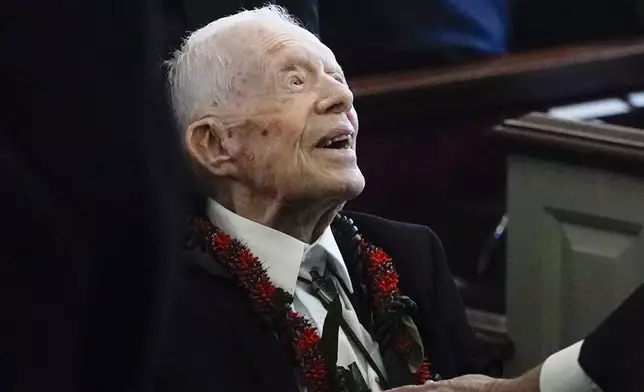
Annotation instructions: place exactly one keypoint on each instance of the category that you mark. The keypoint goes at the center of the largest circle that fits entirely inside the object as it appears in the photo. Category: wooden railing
(513, 81)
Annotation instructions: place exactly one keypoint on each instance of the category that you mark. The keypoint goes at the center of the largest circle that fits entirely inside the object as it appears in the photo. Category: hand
(469, 383)
(529, 382)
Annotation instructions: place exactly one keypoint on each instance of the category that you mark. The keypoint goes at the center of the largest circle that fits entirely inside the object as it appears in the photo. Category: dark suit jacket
(89, 218)
(613, 354)
(217, 343)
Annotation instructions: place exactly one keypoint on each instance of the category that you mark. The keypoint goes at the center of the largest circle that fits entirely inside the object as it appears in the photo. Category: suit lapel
(358, 297)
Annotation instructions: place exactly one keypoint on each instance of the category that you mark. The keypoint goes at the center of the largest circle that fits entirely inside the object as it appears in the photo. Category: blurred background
(370, 36)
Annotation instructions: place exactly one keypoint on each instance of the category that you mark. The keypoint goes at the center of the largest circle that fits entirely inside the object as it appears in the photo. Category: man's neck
(305, 220)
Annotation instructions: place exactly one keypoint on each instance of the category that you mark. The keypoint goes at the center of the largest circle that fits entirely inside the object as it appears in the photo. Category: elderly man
(269, 125)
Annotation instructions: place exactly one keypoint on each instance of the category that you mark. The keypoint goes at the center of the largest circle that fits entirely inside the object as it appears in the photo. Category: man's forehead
(290, 44)
(294, 53)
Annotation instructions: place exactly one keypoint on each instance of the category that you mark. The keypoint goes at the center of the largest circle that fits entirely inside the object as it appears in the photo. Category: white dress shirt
(561, 372)
(285, 258)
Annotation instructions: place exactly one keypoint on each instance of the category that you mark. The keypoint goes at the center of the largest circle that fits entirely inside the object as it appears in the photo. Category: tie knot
(323, 287)
(315, 258)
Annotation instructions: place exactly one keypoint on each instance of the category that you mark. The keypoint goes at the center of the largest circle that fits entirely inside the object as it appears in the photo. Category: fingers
(409, 388)
(469, 383)
(429, 386)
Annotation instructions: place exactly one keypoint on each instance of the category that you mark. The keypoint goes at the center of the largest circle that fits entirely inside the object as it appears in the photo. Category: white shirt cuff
(561, 372)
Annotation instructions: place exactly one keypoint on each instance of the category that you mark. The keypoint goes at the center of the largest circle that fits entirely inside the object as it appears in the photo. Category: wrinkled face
(297, 134)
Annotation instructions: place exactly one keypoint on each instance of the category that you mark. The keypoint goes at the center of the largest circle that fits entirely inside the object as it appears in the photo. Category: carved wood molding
(513, 64)
(596, 144)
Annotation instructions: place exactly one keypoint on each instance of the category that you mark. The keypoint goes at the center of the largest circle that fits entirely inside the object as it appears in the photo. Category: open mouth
(340, 142)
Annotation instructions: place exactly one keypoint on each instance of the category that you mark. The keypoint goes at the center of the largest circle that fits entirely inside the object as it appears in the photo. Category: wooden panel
(574, 252)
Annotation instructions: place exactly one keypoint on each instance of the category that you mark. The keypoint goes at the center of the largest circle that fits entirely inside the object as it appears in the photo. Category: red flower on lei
(274, 304)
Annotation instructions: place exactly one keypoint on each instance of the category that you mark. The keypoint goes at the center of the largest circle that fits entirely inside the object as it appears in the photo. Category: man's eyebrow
(335, 69)
(293, 65)
(295, 62)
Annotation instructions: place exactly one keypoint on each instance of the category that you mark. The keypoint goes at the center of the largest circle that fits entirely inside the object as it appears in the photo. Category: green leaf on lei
(417, 351)
(398, 373)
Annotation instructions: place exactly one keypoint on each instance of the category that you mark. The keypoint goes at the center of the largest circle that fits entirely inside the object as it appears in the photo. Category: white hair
(201, 73)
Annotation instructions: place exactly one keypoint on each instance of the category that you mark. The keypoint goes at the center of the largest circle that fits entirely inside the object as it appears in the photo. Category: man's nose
(336, 99)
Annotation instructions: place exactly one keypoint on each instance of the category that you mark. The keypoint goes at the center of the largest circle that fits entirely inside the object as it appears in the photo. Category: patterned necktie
(326, 291)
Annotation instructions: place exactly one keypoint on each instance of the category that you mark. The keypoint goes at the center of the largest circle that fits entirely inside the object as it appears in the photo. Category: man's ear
(205, 146)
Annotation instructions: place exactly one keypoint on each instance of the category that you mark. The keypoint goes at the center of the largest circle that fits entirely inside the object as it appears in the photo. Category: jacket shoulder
(375, 228)
(415, 249)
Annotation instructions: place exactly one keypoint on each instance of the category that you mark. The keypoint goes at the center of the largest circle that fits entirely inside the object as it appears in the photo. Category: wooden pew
(576, 243)
(425, 149)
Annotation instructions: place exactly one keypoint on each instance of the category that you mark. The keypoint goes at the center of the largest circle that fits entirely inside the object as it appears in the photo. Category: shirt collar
(280, 254)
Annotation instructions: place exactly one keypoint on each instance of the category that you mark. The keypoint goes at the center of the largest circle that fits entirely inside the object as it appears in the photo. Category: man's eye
(295, 81)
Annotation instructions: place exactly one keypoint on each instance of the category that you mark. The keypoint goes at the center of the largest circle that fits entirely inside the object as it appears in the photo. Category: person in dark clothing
(91, 264)
(371, 36)
(573, 22)
(91, 210)
(269, 125)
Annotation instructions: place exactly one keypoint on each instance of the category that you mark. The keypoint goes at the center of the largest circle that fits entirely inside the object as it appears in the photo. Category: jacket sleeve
(613, 354)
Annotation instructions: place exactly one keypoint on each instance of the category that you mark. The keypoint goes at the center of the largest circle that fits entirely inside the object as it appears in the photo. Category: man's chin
(347, 190)
(341, 188)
